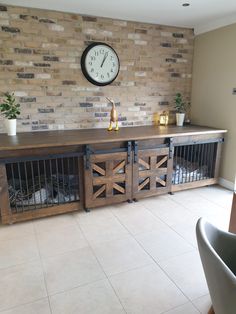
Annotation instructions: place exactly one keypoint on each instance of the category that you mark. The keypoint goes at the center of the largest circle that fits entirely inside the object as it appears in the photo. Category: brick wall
(40, 54)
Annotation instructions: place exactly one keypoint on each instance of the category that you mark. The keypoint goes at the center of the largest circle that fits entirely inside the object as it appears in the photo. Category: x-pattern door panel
(108, 180)
(151, 172)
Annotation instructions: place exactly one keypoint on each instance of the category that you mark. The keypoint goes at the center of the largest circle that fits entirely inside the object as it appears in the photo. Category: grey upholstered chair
(218, 254)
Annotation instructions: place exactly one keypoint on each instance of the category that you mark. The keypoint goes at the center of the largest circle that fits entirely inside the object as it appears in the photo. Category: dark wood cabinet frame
(112, 167)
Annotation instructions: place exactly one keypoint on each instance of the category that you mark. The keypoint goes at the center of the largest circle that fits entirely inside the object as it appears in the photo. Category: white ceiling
(202, 15)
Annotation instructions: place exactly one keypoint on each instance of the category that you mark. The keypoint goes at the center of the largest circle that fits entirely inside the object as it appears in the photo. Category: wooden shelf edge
(193, 185)
(43, 212)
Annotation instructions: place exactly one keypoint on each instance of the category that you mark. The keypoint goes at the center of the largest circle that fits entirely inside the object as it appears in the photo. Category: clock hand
(105, 56)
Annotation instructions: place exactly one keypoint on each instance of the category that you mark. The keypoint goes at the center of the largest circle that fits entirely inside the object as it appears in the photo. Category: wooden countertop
(30, 140)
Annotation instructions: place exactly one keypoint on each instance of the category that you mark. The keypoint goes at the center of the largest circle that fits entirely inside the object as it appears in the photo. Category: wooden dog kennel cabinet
(47, 173)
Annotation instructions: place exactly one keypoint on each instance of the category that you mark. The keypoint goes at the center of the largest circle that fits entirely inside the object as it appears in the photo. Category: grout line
(43, 257)
(168, 274)
(31, 261)
(160, 265)
(133, 236)
(156, 262)
(63, 253)
(131, 269)
(177, 307)
(194, 249)
(25, 263)
(89, 246)
(168, 226)
(152, 230)
(41, 262)
(23, 304)
(91, 243)
(103, 270)
(201, 196)
(202, 296)
(48, 230)
(76, 287)
(195, 307)
(186, 208)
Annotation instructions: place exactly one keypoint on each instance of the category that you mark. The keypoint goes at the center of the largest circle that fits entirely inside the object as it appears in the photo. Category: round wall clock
(100, 64)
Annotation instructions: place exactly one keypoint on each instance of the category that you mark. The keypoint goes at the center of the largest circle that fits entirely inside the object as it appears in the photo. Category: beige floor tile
(175, 215)
(141, 285)
(60, 241)
(186, 229)
(184, 309)
(207, 209)
(163, 244)
(70, 270)
(138, 220)
(147, 290)
(121, 255)
(38, 307)
(158, 202)
(100, 230)
(218, 195)
(163, 199)
(186, 271)
(187, 197)
(126, 208)
(197, 204)
(21, 284)
(18, 230)
(94, 215)
(170, 212)
(18, 250)
(203, 304)
(220, 221)
(54, 223)
(96, 298)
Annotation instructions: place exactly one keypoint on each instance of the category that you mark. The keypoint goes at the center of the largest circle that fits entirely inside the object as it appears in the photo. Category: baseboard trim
(227, 184)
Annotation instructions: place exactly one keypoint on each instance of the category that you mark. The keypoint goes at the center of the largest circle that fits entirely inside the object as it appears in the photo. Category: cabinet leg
(211, 311)
(87, 210)
(130, 201)
(171, 193)
(135, 200)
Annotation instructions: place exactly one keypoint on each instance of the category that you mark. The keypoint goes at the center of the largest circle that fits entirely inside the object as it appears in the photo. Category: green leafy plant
(180, 105)
(9, 107)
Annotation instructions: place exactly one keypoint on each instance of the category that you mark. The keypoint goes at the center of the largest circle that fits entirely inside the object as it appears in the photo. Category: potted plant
(181, 108)
(10, 110)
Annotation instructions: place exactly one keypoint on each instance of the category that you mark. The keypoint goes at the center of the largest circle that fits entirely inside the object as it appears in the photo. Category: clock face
(100, 64)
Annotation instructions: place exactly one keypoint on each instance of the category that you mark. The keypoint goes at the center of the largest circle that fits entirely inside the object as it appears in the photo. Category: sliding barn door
(108, 179)
(151, 172)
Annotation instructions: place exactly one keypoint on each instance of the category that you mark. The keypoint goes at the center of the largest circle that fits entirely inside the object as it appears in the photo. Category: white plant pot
(10, 126)
(180, 119)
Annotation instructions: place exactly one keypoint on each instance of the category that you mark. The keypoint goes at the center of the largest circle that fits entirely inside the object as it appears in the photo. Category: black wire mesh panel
(194, 162)
(39, 183)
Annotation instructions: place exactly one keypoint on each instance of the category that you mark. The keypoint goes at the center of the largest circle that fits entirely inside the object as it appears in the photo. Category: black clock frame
(83, 67)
